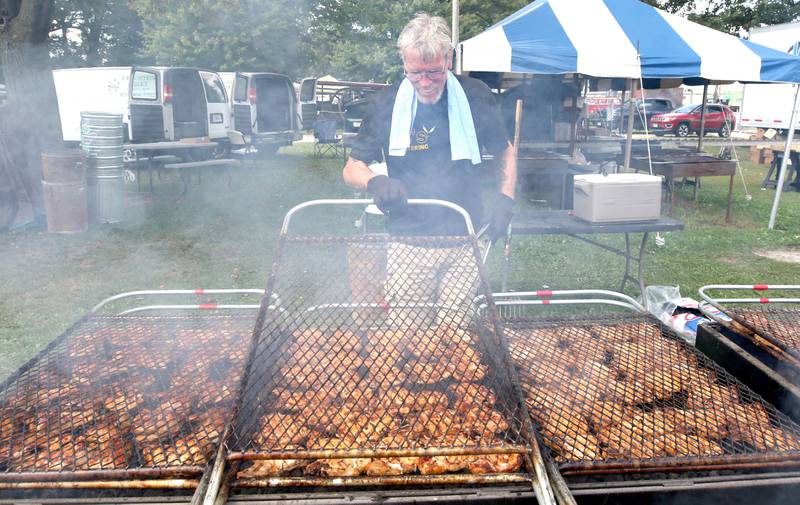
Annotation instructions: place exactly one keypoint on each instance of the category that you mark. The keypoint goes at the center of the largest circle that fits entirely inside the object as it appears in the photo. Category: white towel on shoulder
(463, 139)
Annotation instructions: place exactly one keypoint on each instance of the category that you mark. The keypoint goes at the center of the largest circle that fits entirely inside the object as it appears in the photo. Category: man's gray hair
(428, 35)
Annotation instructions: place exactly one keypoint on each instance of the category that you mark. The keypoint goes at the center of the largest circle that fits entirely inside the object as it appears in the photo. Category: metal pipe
(727, 462)
(629, 138)
(129, 294)
(379, 453)
(76, 475)
(787, 150)
(393, 480)
(366, 201)
(702, 131)
(105, 484)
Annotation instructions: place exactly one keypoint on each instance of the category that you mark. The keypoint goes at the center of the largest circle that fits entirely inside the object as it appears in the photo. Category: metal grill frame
(166, 477)
(534, 471)
(512, 302)
(759, 337)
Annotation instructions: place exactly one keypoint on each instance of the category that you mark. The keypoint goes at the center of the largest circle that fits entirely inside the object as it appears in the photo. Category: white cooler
(615, 198)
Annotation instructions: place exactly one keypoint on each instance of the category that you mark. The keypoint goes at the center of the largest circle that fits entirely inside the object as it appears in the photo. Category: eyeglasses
(432, 75)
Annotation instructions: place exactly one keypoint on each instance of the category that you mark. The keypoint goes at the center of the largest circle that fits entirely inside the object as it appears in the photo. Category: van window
(144, 86)
(215, 90)
(240, 90)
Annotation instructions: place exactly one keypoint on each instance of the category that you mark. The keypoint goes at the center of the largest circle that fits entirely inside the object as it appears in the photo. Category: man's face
(429, 88)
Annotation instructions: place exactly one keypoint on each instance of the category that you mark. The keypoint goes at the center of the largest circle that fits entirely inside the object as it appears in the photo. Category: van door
(308, 102)
(218, 112)
(243, 115)
(147, 123)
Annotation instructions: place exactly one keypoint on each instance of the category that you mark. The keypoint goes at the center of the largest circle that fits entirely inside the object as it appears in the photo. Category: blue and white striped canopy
(607, 38)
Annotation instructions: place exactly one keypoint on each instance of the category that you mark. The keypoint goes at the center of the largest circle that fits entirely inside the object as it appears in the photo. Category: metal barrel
(64, 191)
(102, 140)
(107, 198)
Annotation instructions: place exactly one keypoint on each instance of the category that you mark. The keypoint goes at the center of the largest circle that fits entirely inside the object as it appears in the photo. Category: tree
(247, 35)
(29, 123)
(733, 16)
(94, 33)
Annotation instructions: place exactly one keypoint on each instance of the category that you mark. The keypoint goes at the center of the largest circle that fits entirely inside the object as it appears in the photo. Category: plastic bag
(681, 314)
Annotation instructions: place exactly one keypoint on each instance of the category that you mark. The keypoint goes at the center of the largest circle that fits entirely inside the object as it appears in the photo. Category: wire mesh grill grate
(124, 392)
(779, 325)
(618, 391)
(374, 357)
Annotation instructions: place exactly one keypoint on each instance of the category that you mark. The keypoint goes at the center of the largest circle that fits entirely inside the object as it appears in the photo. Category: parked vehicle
(646, 108)
(264, 108)
(348, 99)
(685, 120)
(770, 105)
(158, 104)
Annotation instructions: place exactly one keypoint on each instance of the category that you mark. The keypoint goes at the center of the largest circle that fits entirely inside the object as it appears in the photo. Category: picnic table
(563, 222)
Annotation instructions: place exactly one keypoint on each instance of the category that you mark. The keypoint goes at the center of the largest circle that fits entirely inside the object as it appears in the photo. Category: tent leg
(629, 142)
(702, 131)
(786, 153)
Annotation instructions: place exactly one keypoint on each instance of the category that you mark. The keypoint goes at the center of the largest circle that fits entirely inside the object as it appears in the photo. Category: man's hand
(389, 194)
(501, 216)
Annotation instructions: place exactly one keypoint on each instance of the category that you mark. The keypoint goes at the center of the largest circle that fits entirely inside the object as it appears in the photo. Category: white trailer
(770, 105)
(100, 89)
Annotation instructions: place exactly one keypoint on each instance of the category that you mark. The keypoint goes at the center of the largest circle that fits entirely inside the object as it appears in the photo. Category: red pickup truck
(686, 120)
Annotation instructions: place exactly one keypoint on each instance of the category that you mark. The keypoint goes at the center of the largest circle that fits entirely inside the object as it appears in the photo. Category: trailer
(768, 105)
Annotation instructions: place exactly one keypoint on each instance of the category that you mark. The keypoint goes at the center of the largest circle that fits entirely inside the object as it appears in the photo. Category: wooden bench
(197, 166)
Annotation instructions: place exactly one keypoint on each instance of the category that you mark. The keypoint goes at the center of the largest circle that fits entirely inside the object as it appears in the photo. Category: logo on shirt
(421, 138)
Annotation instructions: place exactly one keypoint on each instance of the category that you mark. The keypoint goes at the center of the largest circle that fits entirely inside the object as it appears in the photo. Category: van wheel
(221, 151)
(724, 131)
(683, 130)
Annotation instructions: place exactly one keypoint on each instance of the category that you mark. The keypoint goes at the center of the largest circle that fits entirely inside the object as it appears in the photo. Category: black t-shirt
(426, 169)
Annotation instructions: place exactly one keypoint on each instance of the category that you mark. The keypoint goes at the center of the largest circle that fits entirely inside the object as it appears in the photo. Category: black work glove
(501, 217)
(389, 194)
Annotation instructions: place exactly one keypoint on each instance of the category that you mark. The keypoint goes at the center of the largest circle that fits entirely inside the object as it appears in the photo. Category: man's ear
(450, 60)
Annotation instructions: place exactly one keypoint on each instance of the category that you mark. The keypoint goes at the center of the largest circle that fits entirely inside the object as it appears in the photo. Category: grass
(221, 236)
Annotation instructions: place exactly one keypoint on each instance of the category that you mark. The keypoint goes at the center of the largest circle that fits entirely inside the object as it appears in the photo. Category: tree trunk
(30, 122)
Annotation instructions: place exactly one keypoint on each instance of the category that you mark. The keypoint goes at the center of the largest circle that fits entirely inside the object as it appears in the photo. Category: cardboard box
(614, 198)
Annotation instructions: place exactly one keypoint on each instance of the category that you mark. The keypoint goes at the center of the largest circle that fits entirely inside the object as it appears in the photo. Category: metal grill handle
(545, 297)
(366, 201)
(755, 287)
(200, 306)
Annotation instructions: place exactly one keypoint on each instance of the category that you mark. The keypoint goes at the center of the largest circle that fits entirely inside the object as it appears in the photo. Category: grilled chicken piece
(495, 463)
(280, 429)
(603, 415)
(678, 444)
(706, 395)
(666, 382)
(468, 395)
(562, 421)
(423, 372)
(270, 468)
(483, 422)
(580, 447)
(347, 467)
(708, 424)
(632, 392)
(388, 466)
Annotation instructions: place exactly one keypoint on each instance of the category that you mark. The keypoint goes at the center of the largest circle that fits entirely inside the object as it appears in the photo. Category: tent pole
(574, 104)
(631, 111)
(702, 119)
(454, 35)
(786, 151)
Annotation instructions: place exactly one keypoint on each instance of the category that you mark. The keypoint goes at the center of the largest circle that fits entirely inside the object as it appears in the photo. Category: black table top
(563, 222)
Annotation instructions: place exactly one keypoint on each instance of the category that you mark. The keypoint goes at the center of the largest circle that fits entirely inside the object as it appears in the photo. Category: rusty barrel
(64, 191)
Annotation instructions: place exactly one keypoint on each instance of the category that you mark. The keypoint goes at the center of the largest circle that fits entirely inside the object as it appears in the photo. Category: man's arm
(356, 174)
(508, 172)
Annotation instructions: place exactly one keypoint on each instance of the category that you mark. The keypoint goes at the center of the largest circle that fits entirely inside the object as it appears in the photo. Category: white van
(158, 104)
(168, 103)
(264, 108)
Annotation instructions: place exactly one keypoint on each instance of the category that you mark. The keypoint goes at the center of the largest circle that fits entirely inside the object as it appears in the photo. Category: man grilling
(430, 129)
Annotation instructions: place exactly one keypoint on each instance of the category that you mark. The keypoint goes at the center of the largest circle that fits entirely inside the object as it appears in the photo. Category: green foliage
(226, 34)
(733, 16)
(94, 33)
